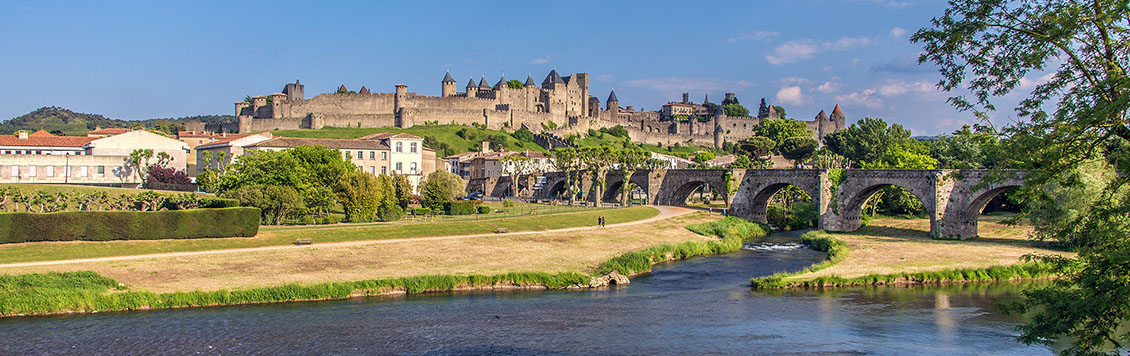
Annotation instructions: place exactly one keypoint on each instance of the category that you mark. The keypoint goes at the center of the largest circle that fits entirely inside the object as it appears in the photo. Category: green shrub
(389, 211)
(216, 203)
(128, 225)
(421, 211)
(484, 210)
(508, 203)
(329, 219)
(801, 216)
(461, 207)
(307, 220)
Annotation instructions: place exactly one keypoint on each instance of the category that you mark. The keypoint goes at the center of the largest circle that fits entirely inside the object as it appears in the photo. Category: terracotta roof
(822, 115)
(363, 90)
(462, 156)
(41, 133)
(108, 131)
(385, 135)
(342, 89)
(288, 142)
(45, 141)
(208, 134)
(837, 112)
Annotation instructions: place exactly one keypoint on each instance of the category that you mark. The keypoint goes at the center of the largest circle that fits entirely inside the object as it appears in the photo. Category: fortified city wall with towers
(563, 101)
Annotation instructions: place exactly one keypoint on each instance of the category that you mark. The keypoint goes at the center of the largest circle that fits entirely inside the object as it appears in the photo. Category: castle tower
(502, 91)
(582, 82)
(530, 81)
(686, 98)
(718, 131)
(838, 118)
(731, 98)
(557, 93)
(447, 86)
(240, 107)
(613, 105)
(822, 116)
(398, 103)
(294, 91)
(483, 86)
(363, 90)
(472, 89)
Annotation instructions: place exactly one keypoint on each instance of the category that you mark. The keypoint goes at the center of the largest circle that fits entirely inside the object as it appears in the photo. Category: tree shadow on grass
(923, 235)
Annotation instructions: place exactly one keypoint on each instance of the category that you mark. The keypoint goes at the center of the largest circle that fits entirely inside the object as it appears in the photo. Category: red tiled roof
(45, 141)
(108, 131)
(384, 135)
(207, 134)
(41, 133)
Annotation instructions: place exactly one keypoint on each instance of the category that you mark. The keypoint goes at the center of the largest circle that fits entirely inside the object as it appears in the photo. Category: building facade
(95, 160)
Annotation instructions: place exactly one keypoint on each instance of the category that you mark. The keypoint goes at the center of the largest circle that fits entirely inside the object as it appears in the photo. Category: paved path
(665, 212)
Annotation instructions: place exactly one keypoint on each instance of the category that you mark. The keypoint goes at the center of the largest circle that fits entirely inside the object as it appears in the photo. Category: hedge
(214, 203)
(128, 225)
(484, 210)
(461, 207)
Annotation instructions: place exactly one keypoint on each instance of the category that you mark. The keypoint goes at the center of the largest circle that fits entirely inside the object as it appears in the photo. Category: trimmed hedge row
(129, 225)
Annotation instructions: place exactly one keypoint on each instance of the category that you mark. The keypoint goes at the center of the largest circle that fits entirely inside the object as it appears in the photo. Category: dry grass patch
(580, 250)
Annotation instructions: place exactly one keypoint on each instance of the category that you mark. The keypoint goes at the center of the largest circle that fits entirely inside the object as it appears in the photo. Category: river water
(699, 306)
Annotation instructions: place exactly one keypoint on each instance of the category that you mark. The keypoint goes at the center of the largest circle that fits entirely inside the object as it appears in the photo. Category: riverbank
(533, 261)
(894, 251)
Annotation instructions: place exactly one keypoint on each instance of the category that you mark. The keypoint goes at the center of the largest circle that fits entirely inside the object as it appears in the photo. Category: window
(15, 171)
(360, 155)
(31, 171)
(101, 171)
(50, 171)
(384, 170)
(372, 154)
(373, 170)
(412, 168)
(399, 167)
(400, 147)
(412, 148)
(82, 171)
(384, 156)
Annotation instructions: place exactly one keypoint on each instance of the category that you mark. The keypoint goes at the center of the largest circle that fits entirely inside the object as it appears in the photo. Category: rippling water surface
(700, 306)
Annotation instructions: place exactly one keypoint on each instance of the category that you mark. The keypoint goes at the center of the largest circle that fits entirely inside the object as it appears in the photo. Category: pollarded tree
(515, 166)
(598, 160)
(798, 149)
(988, 47)
(629, 161)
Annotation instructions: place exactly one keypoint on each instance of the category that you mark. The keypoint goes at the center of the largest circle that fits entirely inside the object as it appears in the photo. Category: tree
(759, 147)
(360, 195)
(780, 129)
(598, 160)
(629, 161)
(439, 187)
(970, 149)
(138, 161)
(780, 110)
(568, 160)
(735, 109)
(798, 149)
(401, 190)
(515, 166)
(275, 203)
(867, 140)
(988, 47)
(514, 84)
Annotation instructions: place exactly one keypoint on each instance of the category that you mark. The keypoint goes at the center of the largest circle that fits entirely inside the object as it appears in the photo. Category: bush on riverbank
(128, 225)
(731, 230)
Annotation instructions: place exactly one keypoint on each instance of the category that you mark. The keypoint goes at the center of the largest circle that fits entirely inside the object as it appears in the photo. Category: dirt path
(665, 212)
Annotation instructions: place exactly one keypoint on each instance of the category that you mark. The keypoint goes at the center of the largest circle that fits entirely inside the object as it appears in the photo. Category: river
(699, 306)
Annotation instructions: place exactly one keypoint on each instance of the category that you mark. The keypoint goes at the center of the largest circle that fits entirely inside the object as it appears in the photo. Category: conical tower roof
(719, 111)
(530, 81)
(837, 113)
(612, 97)
(342, 89)
(483, 83)
(822, 115)
(501, 82)
(471, 84)
(363, 90)
(552, 78)
(448, 79)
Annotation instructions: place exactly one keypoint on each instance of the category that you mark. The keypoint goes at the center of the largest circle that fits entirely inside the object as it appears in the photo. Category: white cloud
(865, 98)
(848, 42)
(793, 80)
(540, 60)
(900, 87)
(898, 32)
(756, 36)
(1029, 84)
(672, 83)
(796, 50)
(790, 95)
(792, 51)
(605, 77)
(828, 87)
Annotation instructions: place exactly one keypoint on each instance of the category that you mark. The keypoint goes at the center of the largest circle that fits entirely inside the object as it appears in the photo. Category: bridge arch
(858, 186)
(973, 190)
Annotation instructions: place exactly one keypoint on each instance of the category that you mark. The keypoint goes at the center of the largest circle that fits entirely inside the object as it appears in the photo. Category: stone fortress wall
(565, 101)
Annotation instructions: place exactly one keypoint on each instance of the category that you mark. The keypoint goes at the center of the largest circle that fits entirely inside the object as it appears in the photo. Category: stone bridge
(953, 199)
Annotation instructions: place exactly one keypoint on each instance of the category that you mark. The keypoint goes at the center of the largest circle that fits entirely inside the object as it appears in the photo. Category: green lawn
(443, 133)
(48, 251)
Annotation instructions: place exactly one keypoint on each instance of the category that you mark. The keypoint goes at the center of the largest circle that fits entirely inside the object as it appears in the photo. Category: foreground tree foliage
(987, 47)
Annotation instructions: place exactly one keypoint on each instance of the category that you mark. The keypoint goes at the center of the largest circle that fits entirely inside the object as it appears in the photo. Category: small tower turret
(530, 82)
(763, 110)
(472, 89)
(483, 86)
(612, 102)
(447, 86)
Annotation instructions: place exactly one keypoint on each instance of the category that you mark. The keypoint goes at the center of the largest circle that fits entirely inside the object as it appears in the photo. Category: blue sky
(136, 60)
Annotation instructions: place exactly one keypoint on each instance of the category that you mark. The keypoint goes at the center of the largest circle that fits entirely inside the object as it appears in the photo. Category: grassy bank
(442, 133)
(83, 292)
(837, 251)
(50, 251)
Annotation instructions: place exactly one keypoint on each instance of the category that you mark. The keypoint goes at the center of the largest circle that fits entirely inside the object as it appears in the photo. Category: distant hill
(61, 121)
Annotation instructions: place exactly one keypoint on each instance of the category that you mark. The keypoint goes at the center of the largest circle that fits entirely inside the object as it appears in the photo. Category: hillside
(61, 121)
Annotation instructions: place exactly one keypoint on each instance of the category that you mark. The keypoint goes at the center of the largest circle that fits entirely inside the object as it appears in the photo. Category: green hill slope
(457, 138)
(61, 121)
